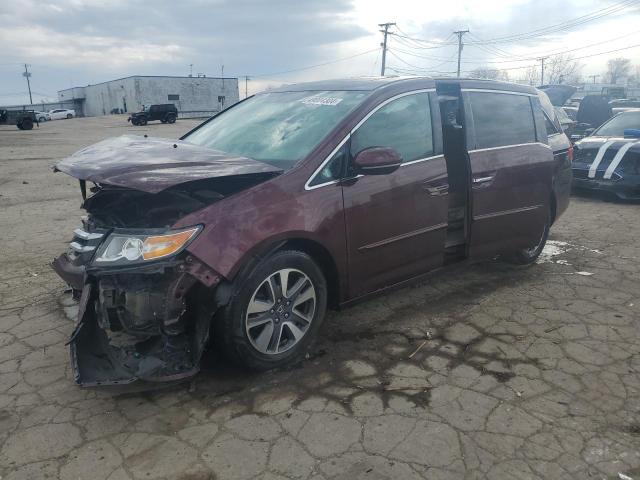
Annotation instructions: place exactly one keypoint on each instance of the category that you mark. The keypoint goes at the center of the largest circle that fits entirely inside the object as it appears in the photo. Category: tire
(251, 339)
(26, 124)
(171, 118)
(142, 121)
(69, 116)
(42, 119)
(527, 256)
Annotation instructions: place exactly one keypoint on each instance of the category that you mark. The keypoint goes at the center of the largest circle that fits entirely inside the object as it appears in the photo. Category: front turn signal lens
(159, 246)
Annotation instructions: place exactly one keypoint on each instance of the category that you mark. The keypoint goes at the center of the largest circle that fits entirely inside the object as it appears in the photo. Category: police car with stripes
(609, 159)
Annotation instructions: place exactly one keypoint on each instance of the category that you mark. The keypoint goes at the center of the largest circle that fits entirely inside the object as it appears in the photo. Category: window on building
(403, 124)
(173, 97)
(502, 119)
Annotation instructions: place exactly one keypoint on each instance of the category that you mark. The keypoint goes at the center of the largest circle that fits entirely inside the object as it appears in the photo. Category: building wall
(195, 94)
(102, 98)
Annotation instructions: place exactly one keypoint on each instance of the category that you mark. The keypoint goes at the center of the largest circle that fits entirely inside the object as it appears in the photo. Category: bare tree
(617, 69)
(562, 69)
(531, 76)
(489, 73)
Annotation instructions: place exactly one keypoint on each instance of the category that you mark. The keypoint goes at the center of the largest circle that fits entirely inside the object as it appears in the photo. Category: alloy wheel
(280, 311)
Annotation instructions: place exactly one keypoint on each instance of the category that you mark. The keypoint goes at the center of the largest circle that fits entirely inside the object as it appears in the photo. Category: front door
(396, 223)
(511, 173)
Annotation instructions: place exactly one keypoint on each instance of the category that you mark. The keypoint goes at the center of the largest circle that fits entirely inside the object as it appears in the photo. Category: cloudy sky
(79, 42)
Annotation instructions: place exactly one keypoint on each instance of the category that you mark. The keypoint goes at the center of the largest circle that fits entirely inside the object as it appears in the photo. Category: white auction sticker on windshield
(330, 101)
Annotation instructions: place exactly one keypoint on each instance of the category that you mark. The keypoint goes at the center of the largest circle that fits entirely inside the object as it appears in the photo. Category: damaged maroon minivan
(307, 197)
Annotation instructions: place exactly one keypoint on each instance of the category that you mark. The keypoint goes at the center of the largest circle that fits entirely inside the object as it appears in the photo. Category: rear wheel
(275, 313)
(527, 256)
(69, 115)
(26, 124)
(171, 118)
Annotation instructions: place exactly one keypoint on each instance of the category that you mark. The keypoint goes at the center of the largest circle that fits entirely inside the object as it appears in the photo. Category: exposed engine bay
(146, 303)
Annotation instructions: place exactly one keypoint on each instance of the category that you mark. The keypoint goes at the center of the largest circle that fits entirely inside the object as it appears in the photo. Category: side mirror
(377, 161)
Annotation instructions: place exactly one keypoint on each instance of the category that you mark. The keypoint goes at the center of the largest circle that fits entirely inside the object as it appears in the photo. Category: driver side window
(403, 124)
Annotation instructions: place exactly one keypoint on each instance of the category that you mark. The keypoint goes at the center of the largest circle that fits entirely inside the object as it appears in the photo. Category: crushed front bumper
(146, 323)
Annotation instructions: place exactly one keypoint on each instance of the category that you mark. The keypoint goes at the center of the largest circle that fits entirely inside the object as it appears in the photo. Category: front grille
(84, 244)
(583, 174)
(580, 173)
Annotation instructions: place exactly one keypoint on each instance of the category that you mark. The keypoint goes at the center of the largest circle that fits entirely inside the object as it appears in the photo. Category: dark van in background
(310, 196)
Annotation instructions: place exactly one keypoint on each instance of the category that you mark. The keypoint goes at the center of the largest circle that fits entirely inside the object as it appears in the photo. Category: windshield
(617, 125)
(277, 128)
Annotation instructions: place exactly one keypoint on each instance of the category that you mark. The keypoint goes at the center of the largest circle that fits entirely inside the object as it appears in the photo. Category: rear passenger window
(403, 124)
(502, 119)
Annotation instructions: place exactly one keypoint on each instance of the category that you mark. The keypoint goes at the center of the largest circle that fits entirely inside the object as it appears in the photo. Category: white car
(61, 113)
(42, 116)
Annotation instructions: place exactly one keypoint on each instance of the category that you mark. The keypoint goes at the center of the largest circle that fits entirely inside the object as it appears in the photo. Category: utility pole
(542, 59)
(246, 90)
(460, 33)
(385, 32)
(593, 77)
(27, 74)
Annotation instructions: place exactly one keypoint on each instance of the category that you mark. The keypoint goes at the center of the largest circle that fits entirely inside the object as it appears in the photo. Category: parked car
(166, 113)
(42, 116)
(608, 160)
(625, 103)
(292, 201)
(559, 95)
(23, 119)
(594, 110)
(61, 113)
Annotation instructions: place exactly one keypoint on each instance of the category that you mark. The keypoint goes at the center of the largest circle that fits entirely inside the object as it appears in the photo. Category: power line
(562, 26)
(311, 66)
(582, 57)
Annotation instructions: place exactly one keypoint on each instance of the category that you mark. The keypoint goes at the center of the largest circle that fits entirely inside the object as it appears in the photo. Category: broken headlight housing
(122, 248)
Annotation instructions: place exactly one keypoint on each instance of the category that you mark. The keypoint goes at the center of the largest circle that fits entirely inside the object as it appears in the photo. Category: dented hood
(152, 164)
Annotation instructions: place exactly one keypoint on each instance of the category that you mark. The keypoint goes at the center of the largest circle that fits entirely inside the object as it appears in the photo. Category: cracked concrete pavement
(484, 372)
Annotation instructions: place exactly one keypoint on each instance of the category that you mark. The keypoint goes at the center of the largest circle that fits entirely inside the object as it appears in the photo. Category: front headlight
(125, 248)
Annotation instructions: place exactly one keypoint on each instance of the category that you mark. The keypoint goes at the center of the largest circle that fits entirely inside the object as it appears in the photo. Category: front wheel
(275, 312)
(527, 256)
(42, 119)
(69, 116)
(142, 121)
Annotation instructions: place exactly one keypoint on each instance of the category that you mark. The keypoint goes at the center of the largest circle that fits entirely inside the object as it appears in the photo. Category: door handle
(480, 180)
(438, 190)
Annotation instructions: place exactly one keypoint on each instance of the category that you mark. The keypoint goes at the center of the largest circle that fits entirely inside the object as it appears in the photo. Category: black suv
(166, 113)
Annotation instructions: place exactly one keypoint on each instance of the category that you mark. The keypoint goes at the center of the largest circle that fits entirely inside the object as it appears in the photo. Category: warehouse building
(193, 96)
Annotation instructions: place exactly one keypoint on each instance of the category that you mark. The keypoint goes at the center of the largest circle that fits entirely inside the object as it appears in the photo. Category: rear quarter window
(501, 119)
